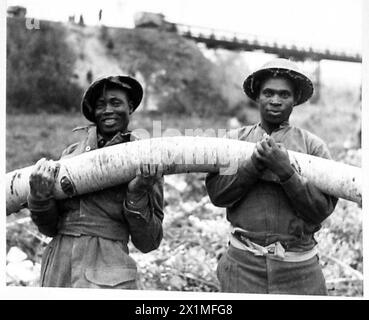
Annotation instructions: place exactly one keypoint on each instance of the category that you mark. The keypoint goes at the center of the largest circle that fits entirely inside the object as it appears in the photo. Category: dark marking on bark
(68, 186)
(12, 183)
(57, 169)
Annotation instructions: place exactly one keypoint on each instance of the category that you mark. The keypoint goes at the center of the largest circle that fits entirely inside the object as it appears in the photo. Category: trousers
(241, 271)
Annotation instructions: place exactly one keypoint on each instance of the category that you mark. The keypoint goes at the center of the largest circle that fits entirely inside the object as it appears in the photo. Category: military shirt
(91, 232)
(270, 210)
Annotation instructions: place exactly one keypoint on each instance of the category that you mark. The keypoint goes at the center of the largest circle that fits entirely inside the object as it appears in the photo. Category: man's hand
(256, 158)
(146, 176)
(42, 179)
(274, 157)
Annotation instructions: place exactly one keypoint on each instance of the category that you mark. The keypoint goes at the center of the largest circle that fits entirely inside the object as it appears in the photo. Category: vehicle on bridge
(153, 20)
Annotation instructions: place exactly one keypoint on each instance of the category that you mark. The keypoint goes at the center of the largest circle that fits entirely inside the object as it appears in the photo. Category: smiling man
(90, 233)
(273, 210)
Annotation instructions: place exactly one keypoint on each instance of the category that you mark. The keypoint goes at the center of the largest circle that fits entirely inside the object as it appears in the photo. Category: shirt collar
(283, 125)
(118, 138)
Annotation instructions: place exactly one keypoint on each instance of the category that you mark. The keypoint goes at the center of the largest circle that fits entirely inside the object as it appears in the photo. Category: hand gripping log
(110, 166)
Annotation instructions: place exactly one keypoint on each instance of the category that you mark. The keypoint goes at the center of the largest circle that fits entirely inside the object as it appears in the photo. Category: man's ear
(131, 108)
(296, 96)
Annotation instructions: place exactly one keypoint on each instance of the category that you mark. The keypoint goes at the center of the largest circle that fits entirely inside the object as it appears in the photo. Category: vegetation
(175, 71)
(45, 69)
(39, 69)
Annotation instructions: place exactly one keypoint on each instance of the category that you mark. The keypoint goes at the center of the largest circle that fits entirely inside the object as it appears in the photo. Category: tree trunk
(106, 167)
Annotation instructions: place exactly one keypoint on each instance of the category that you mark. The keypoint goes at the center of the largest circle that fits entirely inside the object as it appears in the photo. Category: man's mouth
(109, 121)
(274, 112)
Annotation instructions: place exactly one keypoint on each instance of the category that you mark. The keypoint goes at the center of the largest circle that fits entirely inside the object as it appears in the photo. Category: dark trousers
(242, 272)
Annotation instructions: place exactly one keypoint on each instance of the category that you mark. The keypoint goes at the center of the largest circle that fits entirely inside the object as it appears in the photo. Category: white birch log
(110, 166)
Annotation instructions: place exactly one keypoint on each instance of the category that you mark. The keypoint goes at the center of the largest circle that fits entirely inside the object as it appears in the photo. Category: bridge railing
(263, 42)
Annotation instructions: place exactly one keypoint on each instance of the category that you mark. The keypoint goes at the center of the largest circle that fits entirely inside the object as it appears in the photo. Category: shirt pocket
(113, 277)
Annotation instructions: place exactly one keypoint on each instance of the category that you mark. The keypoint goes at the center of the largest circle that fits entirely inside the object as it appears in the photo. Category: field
(195, 232)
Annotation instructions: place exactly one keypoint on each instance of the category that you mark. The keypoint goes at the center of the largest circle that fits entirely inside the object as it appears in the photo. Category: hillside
(48, 69)
(58, 61)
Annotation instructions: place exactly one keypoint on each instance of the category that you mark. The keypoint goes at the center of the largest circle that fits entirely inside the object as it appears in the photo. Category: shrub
(39, 69)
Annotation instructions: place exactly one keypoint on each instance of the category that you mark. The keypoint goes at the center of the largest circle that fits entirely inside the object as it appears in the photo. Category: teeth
(109, 121)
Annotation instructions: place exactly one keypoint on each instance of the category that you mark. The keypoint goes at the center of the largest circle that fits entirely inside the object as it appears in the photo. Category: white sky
(336, 23)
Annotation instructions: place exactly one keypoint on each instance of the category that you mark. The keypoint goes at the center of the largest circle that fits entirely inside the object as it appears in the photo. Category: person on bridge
(91, 232)
(273, 210)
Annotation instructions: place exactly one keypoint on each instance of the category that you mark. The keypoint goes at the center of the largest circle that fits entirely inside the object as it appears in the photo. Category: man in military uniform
(91, 232)
(273, 210)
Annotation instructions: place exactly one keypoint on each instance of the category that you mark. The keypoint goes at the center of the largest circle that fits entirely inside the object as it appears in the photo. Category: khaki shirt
(91, 232)
(270, 210)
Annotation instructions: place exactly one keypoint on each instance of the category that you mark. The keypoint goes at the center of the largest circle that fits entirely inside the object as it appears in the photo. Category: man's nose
(108, 108)
(275, 100)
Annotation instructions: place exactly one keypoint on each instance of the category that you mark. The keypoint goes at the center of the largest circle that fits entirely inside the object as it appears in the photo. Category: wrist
(133, 203)
(39, 197)
(39, 205)
(286, 174)
(136, 196)
(257, 164)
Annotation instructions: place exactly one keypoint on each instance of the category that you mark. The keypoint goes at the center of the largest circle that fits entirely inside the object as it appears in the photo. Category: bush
(39, 69)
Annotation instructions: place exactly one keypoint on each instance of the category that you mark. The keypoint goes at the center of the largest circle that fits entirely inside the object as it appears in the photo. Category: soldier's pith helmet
(280, 67)
(129, 84)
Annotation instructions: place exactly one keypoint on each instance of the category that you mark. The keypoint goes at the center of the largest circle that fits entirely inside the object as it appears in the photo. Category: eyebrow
(278, 91)
(110, 98)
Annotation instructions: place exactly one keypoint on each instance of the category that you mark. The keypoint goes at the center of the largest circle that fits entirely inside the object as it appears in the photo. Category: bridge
(220, 39)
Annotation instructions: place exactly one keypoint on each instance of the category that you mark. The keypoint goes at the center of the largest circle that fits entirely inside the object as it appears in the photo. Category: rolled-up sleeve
(144, 214)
